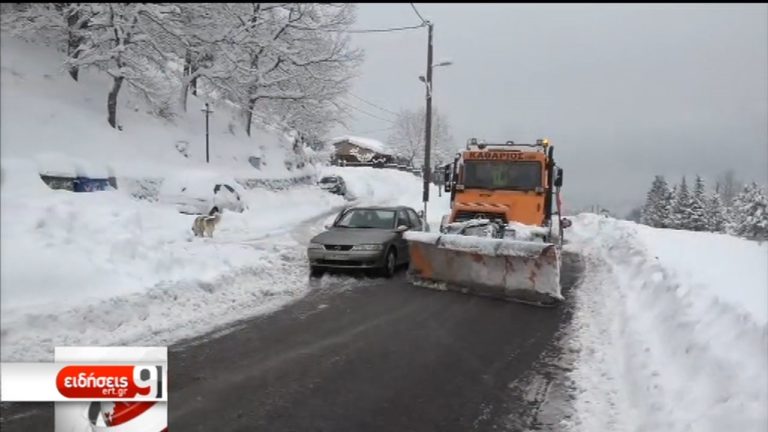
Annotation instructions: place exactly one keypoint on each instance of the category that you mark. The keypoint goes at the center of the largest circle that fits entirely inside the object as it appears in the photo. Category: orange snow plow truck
(504, 234)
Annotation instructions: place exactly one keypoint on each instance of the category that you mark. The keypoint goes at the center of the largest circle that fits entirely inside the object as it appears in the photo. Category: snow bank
(78, 267)
(718, 266)
(670, 330)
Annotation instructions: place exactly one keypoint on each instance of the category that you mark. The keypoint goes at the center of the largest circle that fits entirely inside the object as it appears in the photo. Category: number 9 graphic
(148, 380)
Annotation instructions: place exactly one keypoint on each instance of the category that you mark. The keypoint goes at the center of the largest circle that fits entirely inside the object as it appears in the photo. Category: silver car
(365, 238)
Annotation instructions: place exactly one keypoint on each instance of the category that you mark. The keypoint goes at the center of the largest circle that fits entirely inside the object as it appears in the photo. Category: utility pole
(207, 111)
(428, 122)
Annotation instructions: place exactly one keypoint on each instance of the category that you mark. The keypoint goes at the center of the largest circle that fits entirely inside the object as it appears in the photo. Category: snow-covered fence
(144, 188)
(275, 184)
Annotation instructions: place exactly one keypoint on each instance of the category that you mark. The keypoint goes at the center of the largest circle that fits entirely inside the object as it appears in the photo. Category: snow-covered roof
(367, 143)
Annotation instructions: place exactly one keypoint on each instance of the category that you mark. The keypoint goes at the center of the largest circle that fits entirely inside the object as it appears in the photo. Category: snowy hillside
(45, 112)
(669, 329)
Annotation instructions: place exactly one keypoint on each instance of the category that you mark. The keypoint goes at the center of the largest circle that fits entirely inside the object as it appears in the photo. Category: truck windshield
(502, 175)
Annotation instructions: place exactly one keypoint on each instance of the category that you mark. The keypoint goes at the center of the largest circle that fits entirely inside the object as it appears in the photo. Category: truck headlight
(315, 246)
(368, 247)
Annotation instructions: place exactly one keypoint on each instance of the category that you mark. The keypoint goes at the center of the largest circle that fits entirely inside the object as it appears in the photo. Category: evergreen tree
(655, 213)
(669, 222)
(750, 213)
(680, 216)
(715, 213)
(697, 215)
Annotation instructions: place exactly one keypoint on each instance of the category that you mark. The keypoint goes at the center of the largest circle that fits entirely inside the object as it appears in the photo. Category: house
(351, 150)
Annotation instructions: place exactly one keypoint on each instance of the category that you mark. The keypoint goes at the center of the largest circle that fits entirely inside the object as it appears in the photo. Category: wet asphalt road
(360, 355)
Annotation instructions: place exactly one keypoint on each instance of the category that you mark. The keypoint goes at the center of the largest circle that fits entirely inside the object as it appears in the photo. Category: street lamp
(427, 80)
(207, 112)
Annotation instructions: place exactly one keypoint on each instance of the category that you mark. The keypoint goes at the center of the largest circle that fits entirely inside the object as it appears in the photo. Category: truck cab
(506, 182)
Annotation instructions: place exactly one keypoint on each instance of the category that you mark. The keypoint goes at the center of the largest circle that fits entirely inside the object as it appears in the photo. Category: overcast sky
(622, 91)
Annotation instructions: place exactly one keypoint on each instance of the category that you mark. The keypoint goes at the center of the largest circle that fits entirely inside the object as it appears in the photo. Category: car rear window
(368, 218)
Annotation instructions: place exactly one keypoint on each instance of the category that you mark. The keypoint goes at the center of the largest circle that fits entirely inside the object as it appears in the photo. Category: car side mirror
(402, 229)
(421, 214)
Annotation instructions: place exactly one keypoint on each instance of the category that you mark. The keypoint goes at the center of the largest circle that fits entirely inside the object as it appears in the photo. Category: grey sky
(622, 91)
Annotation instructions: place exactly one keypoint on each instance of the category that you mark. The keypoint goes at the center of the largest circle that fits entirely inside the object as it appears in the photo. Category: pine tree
(681, 208)
(750, 213)
(697, 214)
(715, 213)
(655, 213)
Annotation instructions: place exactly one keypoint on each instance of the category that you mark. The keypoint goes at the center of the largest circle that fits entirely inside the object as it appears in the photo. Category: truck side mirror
(559, 177)
(447, 177)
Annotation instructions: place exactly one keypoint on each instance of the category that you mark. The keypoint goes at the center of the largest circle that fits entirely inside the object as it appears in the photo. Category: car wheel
(316, 272)
(390, 264)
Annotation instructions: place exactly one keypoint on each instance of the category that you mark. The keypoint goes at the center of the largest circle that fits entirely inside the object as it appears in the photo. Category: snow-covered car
(333, 184)
(198, 196)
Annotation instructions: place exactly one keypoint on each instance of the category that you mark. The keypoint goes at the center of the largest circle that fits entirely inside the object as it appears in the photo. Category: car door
(402, 244)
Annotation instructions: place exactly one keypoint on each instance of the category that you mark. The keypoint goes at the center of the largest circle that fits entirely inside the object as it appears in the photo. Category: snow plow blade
(521, 271)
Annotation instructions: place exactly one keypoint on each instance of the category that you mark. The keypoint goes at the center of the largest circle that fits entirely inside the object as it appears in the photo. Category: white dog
(206, 224)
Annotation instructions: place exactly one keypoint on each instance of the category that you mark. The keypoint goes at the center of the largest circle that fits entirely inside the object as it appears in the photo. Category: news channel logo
(96, 378)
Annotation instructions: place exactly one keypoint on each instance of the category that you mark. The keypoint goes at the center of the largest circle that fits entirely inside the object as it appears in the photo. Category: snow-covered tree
(715, 213)
(286, 63)
(407, 137)
(656, 211)
(750, 213)
(680, 206)
(697, 213)
(61, 25)
(284, 55)
(729, 187)
(120, 42)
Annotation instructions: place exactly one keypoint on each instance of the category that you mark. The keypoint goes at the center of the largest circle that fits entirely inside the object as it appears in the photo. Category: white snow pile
(366, 143)
(485, 246)
(102, 268)
(670, 330)
(383, 186)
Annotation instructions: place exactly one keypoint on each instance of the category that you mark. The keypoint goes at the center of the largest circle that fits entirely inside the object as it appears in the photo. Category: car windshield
(329, 180)
(502, 175)
(368, 218)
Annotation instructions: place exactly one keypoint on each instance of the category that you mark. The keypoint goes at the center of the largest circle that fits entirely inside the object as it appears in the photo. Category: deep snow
(104, 268)
(74, 263)
(669, 330)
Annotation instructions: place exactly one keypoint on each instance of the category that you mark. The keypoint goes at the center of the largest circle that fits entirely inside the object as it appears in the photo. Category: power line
(423, 21)
(386, 29)
(372, 104)
(383, 30)
(366, 112)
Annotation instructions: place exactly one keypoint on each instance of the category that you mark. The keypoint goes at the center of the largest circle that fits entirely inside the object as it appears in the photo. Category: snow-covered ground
(104, 268)
(100, 268)
(669, 330)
